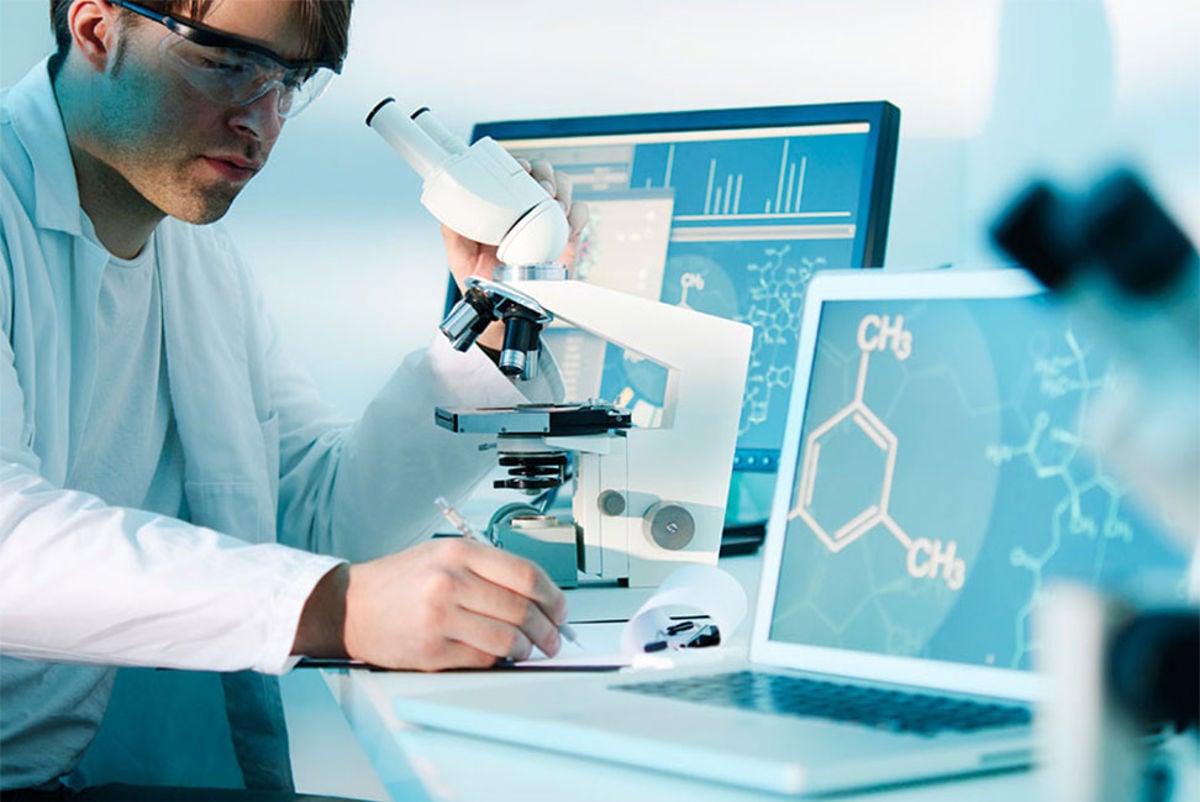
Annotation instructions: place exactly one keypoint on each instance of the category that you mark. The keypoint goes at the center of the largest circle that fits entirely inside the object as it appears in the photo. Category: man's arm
(82, 581)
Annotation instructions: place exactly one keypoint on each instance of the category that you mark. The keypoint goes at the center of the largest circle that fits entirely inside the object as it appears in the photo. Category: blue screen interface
(944, 482)
(728, 222)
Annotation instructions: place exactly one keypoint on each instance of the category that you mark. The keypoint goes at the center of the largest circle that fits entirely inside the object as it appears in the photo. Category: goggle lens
(236, 78)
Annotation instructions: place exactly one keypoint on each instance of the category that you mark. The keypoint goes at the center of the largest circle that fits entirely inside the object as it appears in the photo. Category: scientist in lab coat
(170, 482)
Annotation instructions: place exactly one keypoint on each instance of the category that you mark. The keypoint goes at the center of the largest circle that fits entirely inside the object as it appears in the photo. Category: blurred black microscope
(1117, 260)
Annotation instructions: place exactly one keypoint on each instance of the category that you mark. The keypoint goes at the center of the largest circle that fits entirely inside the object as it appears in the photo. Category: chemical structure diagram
(926, 558)
(777, 296)
(774, 286)
(1091, 502)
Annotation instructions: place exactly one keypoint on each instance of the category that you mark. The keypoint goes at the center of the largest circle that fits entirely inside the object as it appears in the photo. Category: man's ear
(94, 31)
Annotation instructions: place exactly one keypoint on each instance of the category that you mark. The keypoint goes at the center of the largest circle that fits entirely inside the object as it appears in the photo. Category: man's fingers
(488, 635)
(560, 187)
(565, 189)
(526, 596)
(512, 612)
(577, 218)
(543, 171)
(522, 577)
(457, 654)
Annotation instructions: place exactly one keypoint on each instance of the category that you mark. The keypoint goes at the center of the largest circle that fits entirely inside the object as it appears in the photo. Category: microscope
(646, 500)
(1122, 716)
(1120, 264)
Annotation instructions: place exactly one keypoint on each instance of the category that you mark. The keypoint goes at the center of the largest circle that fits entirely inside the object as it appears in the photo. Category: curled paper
(705, 589)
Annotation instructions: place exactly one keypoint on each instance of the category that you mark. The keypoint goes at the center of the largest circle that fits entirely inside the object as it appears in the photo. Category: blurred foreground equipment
(1124, 683)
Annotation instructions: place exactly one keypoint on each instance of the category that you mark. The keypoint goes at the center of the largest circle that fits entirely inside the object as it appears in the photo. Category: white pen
(466, 530)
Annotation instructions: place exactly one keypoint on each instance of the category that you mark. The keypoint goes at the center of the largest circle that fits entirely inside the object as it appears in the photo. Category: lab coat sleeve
(366, 489)
(84, 582)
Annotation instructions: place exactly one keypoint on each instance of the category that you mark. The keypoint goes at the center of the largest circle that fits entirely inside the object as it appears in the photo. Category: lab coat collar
(38, 123)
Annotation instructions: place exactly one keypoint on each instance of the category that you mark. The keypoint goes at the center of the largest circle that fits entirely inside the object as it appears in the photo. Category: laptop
(932, 484)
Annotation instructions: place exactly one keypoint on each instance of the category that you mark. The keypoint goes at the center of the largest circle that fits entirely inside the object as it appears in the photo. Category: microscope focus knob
(611, 503)
(669, 525)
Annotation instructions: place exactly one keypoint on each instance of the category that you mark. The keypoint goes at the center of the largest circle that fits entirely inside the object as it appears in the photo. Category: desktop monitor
(728, 212)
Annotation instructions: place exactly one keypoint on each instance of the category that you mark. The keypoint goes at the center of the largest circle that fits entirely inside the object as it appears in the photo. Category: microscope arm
(681, 468)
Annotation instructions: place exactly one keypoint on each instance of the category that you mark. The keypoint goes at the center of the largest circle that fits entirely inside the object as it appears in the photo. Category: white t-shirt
(132, 456)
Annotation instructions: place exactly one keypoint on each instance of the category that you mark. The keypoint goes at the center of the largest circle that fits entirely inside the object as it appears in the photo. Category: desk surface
(415, 763)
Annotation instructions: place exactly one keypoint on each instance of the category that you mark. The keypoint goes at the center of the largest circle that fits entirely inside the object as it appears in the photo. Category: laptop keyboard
(899, 711)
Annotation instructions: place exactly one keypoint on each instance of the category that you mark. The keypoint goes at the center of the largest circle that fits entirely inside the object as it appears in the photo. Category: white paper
(702, 590)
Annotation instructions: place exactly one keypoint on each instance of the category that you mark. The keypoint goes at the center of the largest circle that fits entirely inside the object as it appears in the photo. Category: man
(155, 441)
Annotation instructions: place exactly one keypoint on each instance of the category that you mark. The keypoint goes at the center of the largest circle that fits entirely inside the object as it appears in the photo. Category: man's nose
(259, 118)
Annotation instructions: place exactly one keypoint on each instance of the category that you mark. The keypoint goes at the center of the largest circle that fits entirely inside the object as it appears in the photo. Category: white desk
(414, 763)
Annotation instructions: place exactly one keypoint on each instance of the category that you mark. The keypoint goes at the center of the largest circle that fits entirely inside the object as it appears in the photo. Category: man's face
(184, 153)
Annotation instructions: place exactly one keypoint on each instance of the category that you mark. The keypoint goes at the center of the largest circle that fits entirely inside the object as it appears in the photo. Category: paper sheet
(696, 589)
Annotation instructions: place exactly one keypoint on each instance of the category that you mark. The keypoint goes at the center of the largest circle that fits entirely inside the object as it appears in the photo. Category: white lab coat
(265, 460)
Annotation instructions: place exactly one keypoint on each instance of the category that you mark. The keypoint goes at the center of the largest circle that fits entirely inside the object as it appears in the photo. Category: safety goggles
(232, 71)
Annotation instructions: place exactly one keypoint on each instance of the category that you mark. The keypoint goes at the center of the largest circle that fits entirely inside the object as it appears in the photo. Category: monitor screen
(944, 481)
(729, 212)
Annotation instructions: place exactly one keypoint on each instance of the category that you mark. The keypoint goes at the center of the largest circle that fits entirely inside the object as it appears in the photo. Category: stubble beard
(157, 165)
(191, 204)
(172, 183)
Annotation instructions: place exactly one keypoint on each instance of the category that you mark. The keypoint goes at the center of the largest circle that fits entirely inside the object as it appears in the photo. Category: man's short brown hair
(326, 24)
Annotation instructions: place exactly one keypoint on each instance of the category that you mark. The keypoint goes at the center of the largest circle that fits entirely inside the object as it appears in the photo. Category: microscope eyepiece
(1118, 228)
(1036, 232)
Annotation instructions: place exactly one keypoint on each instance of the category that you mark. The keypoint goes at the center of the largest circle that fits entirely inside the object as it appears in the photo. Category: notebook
(933, 483)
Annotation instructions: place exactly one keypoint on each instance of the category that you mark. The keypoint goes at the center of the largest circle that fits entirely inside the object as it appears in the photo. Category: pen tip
(569, 634)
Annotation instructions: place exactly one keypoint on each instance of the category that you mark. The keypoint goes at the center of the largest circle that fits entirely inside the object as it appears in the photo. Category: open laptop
(933, 483)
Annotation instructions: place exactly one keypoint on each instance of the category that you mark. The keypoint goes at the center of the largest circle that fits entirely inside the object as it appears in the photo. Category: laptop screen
(942, 481)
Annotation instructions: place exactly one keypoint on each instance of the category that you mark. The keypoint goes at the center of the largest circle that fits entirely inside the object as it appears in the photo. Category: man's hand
(448, 603)
(469, 258)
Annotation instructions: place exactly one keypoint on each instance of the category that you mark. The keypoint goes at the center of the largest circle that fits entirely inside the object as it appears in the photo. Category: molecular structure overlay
(943, 482)
(926, 558)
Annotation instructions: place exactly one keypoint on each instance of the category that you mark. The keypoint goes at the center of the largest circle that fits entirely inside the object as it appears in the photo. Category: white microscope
(646, 499)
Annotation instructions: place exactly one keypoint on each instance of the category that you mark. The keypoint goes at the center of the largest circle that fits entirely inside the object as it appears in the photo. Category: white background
(990, 91)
